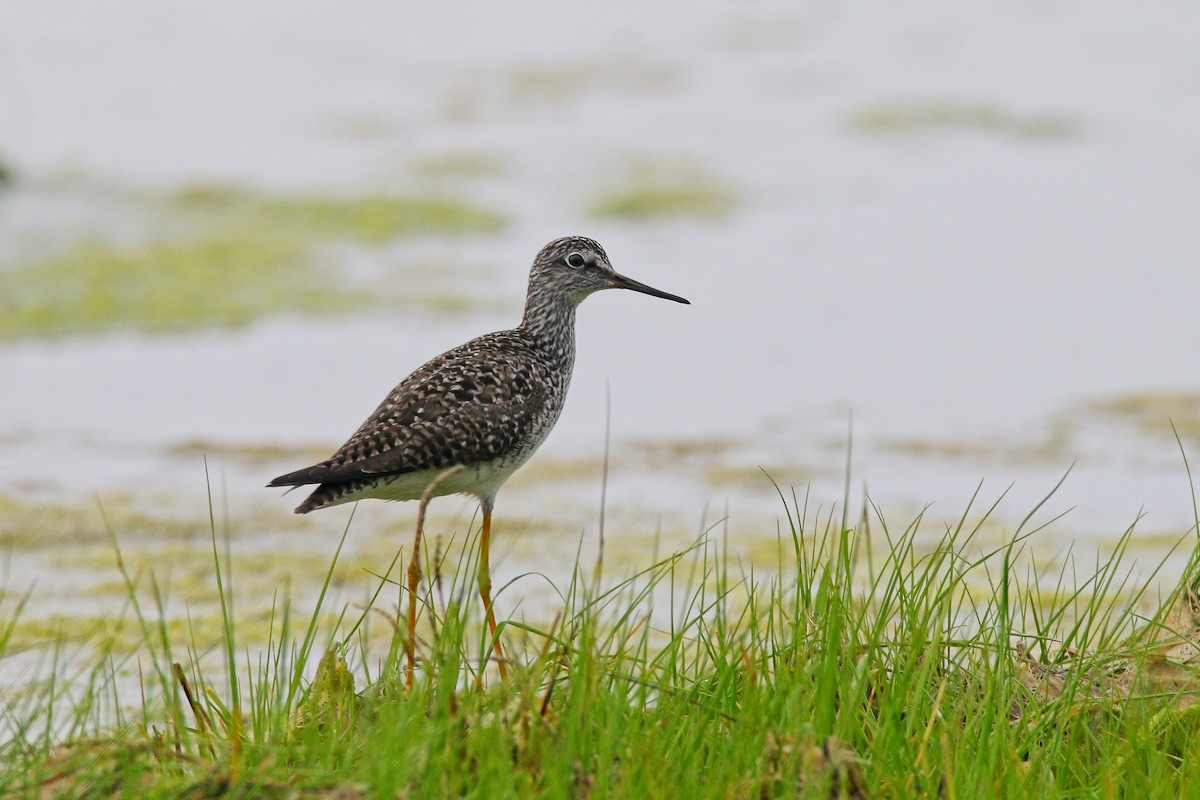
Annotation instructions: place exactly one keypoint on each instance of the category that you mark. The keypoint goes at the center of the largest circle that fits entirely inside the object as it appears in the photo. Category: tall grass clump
(868, 661)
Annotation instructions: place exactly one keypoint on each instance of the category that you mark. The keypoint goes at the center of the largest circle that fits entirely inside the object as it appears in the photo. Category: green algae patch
(765, 34)
(547, 469)
(465, 164)
(250, 453)
(122, 636)
(1054, 446)
(89, 526)
(36, 526)
(920, 116)
(530, 87)
(664, 452)
(760, 478)
(645, 201)
(555, 84)
(648, 192)
(185, 572)
(232, 258)
(721, 462)
(163, 287)
(1154, 414)
(372, 219)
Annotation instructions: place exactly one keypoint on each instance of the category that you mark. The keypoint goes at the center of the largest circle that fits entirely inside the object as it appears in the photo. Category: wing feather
(475, 403)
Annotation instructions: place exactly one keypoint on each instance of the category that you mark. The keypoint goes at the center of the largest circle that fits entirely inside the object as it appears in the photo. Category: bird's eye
(575, 260)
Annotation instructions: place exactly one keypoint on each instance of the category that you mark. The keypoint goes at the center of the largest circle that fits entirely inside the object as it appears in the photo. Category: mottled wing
(475, 403)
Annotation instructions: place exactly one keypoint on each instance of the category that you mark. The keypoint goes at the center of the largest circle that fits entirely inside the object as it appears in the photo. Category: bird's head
(574, 267)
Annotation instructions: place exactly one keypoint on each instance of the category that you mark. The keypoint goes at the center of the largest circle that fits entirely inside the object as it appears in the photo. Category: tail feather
(331, 494)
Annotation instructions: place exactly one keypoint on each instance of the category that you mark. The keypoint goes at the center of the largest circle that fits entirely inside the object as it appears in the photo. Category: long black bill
(621, 282)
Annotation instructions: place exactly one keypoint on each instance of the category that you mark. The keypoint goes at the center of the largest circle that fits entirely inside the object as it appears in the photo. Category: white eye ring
(575, 260)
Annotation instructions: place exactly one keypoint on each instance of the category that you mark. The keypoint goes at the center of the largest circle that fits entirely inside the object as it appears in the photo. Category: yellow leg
(485, 585)
(414, 583)
(414, 576)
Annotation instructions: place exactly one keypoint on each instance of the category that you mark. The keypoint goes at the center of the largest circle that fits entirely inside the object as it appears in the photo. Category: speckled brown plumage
(483, 401)
(486, 405)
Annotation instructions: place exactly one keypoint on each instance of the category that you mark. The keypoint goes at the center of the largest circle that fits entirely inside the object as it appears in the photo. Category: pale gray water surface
(957, 224)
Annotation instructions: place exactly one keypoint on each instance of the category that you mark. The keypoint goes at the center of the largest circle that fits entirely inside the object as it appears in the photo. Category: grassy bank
(867, 662)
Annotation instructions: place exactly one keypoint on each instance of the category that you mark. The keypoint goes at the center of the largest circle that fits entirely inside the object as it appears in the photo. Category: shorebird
(469, 418)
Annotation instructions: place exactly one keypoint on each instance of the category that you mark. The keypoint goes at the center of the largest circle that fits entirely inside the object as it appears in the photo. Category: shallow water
(951, 230)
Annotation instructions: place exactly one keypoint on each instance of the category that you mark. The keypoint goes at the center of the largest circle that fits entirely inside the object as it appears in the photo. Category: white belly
(480, 480)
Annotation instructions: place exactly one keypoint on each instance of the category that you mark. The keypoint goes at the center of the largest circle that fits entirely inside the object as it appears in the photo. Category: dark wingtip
(297, 478)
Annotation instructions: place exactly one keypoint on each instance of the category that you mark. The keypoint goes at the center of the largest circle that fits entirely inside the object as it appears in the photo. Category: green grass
(231, 257)
(866, 661)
